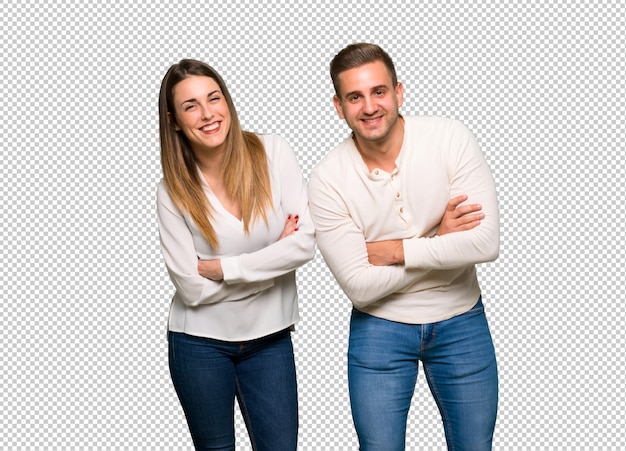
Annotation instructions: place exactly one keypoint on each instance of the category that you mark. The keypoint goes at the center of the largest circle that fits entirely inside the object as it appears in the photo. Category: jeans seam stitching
(444, 413)
(244, 413)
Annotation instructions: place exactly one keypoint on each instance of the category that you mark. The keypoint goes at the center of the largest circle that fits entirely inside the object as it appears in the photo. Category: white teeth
(210, 127)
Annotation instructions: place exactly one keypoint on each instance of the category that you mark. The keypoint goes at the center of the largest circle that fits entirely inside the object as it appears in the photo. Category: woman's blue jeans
(208, 375)
(460, 367)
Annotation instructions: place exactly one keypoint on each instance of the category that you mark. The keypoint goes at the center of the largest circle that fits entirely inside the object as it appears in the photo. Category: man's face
(368, 101)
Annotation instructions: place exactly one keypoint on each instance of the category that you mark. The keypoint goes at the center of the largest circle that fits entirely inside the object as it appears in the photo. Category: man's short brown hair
(356, 55)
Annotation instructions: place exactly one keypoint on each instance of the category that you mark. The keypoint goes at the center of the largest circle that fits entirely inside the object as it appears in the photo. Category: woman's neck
(210, 165)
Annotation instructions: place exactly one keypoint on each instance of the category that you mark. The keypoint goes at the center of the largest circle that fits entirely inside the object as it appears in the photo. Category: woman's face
(201, 113)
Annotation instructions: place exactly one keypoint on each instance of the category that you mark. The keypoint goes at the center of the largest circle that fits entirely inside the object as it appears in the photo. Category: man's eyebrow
(194, 100)
(375, 88)
(351, 93)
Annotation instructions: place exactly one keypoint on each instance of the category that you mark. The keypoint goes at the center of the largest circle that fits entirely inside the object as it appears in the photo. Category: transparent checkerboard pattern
(85, 295)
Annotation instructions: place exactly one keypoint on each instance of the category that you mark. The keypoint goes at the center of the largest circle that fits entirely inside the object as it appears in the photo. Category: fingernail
(297, 217)
(289, 217)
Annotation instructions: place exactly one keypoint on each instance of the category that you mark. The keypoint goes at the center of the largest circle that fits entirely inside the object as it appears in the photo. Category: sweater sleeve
(181, 260)
(343, 247)
(285, 255)
(468, 174)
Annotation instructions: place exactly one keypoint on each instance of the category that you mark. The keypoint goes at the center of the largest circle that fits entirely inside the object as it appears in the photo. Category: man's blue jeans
(460, 367)
(208, 375)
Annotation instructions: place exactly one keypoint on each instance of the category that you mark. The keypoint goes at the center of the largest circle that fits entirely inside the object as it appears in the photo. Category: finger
(455, 201)
(469, 225)
(466, 209)
(470, 218)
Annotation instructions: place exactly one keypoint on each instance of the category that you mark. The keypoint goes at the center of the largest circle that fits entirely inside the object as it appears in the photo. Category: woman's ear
(172, 121)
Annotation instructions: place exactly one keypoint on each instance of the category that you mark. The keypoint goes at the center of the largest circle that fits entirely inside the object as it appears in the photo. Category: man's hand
(459, 218)
(455, 219)
(211, 269)
(383, 253)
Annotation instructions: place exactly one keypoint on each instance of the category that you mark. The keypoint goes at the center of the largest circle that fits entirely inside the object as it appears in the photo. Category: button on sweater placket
(398, 201)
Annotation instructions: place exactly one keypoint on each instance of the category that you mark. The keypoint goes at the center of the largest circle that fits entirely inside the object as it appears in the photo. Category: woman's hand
(211, 269)
(291, 226)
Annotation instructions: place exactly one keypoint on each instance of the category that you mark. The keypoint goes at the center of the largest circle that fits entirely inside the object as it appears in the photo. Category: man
(388, 208)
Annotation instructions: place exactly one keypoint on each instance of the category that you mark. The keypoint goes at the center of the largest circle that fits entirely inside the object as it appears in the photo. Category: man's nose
(369, 105)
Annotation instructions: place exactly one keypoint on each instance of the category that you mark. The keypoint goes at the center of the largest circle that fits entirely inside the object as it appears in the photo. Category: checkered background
(85, 295)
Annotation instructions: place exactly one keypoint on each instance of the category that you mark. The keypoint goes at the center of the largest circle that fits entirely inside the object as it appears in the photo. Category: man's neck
(382, 154)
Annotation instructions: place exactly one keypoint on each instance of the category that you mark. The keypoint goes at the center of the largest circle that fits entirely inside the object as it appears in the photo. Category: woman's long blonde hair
(245, 166)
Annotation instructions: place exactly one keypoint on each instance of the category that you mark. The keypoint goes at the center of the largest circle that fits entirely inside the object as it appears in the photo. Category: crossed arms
(375, 250)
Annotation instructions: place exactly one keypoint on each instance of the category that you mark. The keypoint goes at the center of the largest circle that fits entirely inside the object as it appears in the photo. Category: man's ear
(171, 120)
(338, 106)
(400, 93)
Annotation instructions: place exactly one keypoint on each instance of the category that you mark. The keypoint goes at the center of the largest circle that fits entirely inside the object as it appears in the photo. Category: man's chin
(370, 136)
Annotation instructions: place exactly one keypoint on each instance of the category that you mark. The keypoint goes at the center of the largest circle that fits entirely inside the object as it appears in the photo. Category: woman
(234, 226)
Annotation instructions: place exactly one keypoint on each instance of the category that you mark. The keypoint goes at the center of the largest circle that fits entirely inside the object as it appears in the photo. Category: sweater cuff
(231, 268)
(413, 248)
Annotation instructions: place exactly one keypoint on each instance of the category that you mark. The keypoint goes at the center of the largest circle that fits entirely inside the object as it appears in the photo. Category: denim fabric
(208, 375)
(460, 367)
